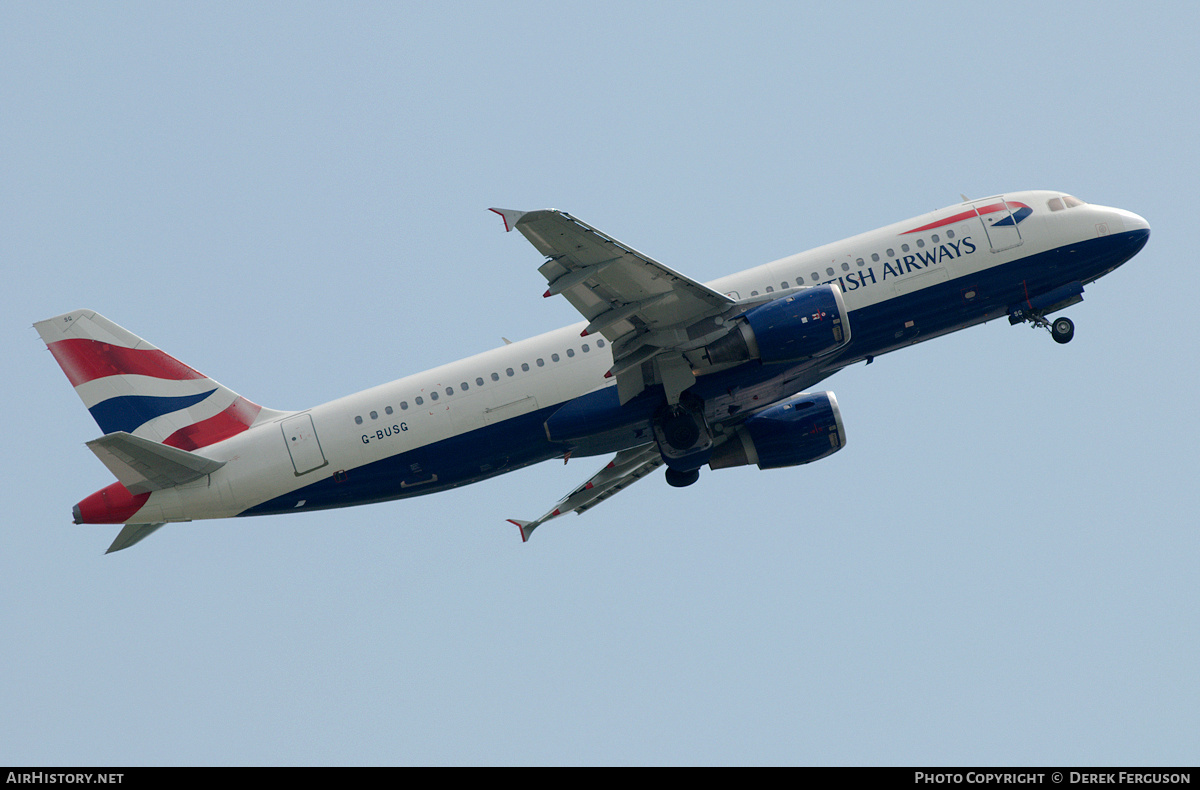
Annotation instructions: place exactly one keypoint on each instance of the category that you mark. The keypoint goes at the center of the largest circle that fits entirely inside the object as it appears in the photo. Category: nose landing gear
(1062, 329)
(1033, 311)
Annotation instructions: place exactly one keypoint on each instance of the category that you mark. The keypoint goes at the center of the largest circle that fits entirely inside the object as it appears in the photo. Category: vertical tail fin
(130, 385)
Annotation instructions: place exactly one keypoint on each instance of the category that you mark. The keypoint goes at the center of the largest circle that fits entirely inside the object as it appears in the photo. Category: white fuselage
(427, 409)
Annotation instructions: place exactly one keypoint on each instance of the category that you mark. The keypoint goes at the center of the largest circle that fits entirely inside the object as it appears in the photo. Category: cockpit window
(1066, 201)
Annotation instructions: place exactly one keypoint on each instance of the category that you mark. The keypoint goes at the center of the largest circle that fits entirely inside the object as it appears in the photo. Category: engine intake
(800, 430)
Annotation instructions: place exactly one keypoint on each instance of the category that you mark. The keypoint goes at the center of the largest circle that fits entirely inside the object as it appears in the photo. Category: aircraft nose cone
(1138, 228)
(1137, 231)
(1134, 221)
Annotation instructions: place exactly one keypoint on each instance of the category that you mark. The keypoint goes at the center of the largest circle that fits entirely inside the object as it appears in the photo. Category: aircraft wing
(651, 314)
(627, 467)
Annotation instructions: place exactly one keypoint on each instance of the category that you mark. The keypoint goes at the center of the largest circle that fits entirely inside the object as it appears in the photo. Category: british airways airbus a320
(662, 371)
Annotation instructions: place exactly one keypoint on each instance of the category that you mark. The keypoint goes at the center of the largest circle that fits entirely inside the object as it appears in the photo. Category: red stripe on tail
(237, 418)
(87, 360)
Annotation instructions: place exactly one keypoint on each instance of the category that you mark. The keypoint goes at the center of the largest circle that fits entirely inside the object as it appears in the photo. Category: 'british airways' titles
(898, 267)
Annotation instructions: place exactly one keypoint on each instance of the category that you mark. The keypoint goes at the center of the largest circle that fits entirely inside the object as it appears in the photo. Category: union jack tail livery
(153, 409)
(131, 386)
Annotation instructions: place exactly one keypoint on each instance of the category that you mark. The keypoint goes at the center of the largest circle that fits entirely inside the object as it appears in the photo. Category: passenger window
(479, 381)
(949, 234)
(784, 285)
(845, 267)
(525, 367)
(403, 405)
(495, 377)
(358, 420)
(449, 390)
(829, 272)
(770, 289)
(599, 344)
(815, 277)
(509, 372)
(387, 410)
(586, 348)
(420, 400)
(860, 262)
(570, 352)
(904, 248)
(554, 357)
(935, 238)
(891, 253)
(920, 242)
(433, 395)
(875, 257)
(374, 415)
(463, 386)
(541, 363)
(754, 293)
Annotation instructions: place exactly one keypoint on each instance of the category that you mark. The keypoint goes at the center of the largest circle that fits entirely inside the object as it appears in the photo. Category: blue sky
(998, 569)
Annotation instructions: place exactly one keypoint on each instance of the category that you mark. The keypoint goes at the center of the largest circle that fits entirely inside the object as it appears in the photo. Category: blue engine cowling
(793, 328)
(800, 430)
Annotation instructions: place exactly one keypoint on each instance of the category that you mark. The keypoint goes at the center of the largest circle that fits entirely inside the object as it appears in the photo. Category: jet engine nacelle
(807, 324)
(797, 431)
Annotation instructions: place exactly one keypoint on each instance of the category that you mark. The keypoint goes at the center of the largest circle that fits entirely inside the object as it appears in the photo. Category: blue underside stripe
(130, 412)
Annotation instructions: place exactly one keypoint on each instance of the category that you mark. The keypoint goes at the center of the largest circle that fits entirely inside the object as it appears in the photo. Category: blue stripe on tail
(130, 412)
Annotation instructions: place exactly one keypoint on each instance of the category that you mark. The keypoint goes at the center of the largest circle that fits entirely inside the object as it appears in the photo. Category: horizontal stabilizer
(142, 465)
(131, 534)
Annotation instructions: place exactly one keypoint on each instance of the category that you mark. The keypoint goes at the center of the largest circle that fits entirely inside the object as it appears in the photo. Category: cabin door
(1000, 220)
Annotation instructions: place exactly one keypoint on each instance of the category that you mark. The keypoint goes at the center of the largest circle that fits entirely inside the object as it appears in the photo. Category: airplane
(663, 371)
